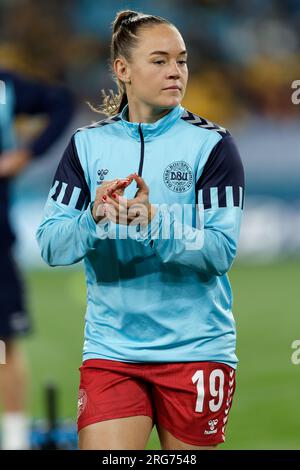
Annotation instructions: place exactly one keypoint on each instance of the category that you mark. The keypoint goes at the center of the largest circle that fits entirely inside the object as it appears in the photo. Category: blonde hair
(125, 27)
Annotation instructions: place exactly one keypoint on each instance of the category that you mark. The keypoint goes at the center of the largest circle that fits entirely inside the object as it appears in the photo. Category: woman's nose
(174, 70)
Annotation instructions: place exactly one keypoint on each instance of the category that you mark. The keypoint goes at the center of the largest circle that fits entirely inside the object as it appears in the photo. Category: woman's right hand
(117, 186)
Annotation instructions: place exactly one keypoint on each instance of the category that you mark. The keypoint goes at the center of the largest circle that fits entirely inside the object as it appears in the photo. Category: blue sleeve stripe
(214, 198)
(74, 197)
(61, 195)
(231, 196)
(70, 175)
(83, 201)
(68, 195)
(53, 189)
(57, 190)
(222, 196)
(223, 168)
(242, 197)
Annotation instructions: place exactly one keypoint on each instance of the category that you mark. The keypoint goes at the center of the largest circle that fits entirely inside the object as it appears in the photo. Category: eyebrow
(166, 53)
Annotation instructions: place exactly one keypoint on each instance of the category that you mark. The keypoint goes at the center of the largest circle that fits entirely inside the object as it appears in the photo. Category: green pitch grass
(265, 412)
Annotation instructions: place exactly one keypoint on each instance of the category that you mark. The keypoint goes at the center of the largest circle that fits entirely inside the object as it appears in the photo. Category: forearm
(65, 241)
(207, 250)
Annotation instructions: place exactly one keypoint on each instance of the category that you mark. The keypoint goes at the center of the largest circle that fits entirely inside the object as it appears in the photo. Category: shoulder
(7, 75)
(204, 124)
(97, 125)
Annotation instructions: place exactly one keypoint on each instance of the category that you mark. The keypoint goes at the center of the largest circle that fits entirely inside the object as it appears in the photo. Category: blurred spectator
(31, 98)
(253, 46)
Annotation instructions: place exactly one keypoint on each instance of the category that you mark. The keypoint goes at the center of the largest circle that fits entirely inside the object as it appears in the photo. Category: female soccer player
(159, 332)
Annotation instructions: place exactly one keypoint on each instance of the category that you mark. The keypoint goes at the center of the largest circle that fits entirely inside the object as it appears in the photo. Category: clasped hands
(110, 203)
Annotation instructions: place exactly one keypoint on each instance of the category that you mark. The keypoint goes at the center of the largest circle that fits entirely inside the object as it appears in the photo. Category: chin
(171, 102)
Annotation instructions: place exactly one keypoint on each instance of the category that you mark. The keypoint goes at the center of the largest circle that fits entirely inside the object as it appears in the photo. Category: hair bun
(123, 17)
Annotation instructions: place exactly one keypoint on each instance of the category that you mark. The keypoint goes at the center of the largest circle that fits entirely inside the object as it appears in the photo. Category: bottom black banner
(134, 459)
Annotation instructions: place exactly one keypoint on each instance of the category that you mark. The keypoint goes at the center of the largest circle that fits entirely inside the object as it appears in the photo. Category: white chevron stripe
(231, 373)
(231, 382)
(230, 390)
(196, 119)
(212, 126)
(100, 123)
(201, 122)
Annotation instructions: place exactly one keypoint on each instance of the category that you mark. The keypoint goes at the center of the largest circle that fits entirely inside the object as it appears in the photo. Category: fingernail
(104, 198)
(114, 195)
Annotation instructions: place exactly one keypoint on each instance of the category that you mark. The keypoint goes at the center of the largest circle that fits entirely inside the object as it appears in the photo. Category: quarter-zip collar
(153, 129)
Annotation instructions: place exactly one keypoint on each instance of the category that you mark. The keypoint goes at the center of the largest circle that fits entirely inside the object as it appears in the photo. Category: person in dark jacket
(29, 97)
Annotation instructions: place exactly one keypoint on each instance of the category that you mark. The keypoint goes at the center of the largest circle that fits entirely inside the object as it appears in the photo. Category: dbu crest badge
(178, 177)
(82, 401)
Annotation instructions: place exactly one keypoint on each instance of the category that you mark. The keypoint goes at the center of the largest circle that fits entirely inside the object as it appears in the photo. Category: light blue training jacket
(155, 293)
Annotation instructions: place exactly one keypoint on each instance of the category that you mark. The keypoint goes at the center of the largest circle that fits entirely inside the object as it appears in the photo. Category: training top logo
(101, 174)
(178, 176)
(212, 426)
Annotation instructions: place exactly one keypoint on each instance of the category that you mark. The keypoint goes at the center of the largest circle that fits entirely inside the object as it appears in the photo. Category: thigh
(192, 403)
(114, 406)
(170, 442)
(131, 433)
(14, 318)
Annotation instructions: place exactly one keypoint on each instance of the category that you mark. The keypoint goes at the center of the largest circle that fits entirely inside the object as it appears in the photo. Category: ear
(122, 69)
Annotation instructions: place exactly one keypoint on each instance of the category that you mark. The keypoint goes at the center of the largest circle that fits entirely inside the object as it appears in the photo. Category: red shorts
(189, 399)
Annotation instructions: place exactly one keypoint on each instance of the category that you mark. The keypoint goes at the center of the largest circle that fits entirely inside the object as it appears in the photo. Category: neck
(140, 112)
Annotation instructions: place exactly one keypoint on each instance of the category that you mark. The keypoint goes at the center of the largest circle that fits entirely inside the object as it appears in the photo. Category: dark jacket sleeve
(212, 246)
(68, 231)
(35, 97)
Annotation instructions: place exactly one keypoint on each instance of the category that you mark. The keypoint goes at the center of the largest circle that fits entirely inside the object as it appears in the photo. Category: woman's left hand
(130, 211)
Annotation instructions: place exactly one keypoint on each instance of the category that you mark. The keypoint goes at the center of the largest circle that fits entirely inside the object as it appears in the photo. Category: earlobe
(120, 68)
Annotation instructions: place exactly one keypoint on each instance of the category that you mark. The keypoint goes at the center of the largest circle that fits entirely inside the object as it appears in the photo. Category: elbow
(47, 256)
(222, 269)
(53, 251)
(54, 259)
(48, 260)
(45, 251)
(225, 261)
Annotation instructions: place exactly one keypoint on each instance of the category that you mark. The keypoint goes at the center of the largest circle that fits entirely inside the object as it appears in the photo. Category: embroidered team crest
(101, 174)
(178, 176)
(82, 401)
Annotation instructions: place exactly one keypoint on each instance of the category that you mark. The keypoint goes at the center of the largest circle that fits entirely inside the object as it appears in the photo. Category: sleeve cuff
(149, 233)
(98, 230)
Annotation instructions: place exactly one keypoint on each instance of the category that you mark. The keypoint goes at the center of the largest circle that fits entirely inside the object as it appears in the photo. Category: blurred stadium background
(243, 59)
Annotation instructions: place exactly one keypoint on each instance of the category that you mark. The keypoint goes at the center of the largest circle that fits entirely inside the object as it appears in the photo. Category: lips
(172, 88)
